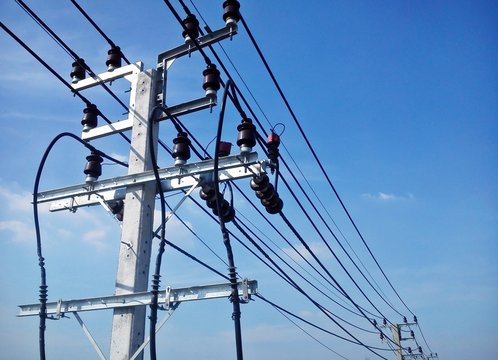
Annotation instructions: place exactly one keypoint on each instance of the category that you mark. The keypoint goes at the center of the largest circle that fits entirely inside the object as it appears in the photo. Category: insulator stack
(114, 56)
(93, 168)
(409, 350)
(272, 144)
(267, 194)
(420, 350)
(404, 320)
(181, 150)
(224, 148)
(381, 336)
(412, 334)
(231, 14)
(117, 209)
(90, 114)
(246, 137)
(384, 321)
(78, 71)
(208, 193)
(374, 322)
(211, 80)
(415, 319)
(192, 25)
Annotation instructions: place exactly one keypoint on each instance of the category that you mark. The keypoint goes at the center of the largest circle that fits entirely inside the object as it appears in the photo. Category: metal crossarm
(166, 297)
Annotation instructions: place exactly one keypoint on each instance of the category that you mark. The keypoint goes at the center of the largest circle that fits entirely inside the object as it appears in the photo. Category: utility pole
(138, 190)
(128, 324)
(397, 340)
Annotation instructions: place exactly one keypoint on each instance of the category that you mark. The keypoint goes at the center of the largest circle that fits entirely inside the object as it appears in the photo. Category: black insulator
(275, 208)
(259, 182)
(192, 25)
(374, 322)
(404, 319)
(415, 319)
(231, 11)
(412, 334)
(409, 350)
(93, 168)
(117, 208)
(211, 79)
(181, 150)
(90, 114)
(114, 56)
(381, 336)
(246, 137)
(78, 71)
(273, 143)
(420, 349)
(384, 321)
(224, 148)
(266, 192)
(208, 193)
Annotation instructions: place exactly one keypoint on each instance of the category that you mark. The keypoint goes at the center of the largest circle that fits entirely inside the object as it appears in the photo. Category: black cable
(293, 115)
(41, 259)
(234, 297)
(84, 13)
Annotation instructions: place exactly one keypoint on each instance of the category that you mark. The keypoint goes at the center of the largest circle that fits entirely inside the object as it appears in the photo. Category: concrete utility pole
(138, 190)
(128, 324)
(397, 340)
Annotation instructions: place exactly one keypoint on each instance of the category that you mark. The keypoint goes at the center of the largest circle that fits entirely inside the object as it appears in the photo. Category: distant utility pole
(138, 190)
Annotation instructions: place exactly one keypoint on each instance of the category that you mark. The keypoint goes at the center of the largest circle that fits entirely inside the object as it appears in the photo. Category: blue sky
(400, 102)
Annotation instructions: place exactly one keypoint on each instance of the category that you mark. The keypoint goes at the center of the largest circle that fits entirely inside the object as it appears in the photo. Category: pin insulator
(404, 319)
(114, 56)
(409, 350)
(231, 12)
(412, 334)
(181, 150)
(93, 168)
(384, 321)
(224, 148)
(415, 319)
(420, 350)
(78, 71)
(192, 25)
(211, 80)
(381, 336)
(90, 114)
(246, 137)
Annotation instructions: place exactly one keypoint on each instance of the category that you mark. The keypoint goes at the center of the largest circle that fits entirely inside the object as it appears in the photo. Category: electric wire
(293, 115)
(246, 233)
(299, 289)
(100, 31)
(301, 328)
(41, 259)
(63, 45)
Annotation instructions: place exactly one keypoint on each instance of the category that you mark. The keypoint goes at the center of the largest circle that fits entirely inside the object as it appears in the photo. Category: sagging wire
(41, 259)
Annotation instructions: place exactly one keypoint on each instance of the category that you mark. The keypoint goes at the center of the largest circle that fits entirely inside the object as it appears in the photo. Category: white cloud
(387, 197)
(96, 238)
(21, 231)
(318, 248)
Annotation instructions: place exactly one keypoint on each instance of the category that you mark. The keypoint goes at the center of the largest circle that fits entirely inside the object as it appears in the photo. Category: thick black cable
(100, 31)
(41, 259)
(293, 115)
(234, 297)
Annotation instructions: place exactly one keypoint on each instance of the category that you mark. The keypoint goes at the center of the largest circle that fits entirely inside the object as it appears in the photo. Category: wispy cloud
(318, 248)
(387, 197)
(21, 231)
